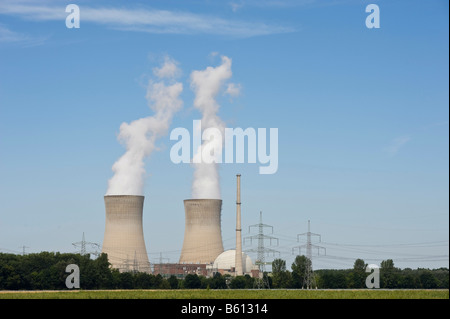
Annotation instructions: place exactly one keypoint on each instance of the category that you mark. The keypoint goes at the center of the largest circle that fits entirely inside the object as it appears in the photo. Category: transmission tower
(161, 262)
(82, 244)
(23, 249)
(135, 264)
(261, 282)
(309, 279)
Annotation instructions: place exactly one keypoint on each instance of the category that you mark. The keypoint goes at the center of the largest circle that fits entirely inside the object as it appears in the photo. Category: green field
(231, 294)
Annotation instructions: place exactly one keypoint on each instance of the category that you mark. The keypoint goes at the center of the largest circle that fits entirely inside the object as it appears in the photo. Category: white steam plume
(206, 84)
(139, 136)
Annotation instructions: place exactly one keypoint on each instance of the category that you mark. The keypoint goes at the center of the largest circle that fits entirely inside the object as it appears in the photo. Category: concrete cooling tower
(202, 235)
(124, 236)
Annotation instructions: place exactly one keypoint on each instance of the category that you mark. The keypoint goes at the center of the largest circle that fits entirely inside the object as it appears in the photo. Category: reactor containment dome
(226, 262)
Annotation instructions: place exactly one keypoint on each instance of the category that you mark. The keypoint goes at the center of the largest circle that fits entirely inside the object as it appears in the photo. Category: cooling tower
(124, 236)
(202, 234)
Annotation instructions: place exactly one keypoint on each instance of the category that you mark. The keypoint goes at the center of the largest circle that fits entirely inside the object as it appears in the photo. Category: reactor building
(124, 237)
(226, 263)
(202, 234)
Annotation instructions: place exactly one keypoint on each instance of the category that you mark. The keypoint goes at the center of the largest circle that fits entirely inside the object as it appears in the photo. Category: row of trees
(47, 270)
(390, 276)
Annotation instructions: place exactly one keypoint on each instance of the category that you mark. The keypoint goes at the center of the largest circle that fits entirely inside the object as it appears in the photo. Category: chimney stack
(238, 258)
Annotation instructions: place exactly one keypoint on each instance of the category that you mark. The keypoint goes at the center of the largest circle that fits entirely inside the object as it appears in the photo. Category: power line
(441, 243)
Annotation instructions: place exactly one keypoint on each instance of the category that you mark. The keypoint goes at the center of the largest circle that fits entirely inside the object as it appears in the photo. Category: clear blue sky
(362, 116)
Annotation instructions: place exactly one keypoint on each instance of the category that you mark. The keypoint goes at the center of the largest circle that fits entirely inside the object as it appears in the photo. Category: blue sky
(362, 116)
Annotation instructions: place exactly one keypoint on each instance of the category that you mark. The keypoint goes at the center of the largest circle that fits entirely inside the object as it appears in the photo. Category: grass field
(231, 294)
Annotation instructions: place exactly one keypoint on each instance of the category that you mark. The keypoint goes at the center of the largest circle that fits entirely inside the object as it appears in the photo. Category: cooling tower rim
(125, 196)
(202, 199)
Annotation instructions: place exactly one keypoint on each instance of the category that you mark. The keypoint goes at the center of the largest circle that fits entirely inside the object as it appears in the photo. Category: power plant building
(202, 251)
(225, 263)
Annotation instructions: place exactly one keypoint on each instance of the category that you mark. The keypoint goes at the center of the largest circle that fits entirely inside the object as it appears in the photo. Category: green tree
(442, 275)
(125, 280)
(164, 284)
(143, 281)
(12, 280)
(89, 275)
(332, 278)
(389, 275)
(242, 282)
(428, 280)
(218, 281)
(281, 277)
(250, 281)
(299, 270)
(278, 268)
(192, 281)
(158, 282)
(238, 282)
(103, 273)
(173, 282)
(407, 279)
(357, 277)
(115, 275)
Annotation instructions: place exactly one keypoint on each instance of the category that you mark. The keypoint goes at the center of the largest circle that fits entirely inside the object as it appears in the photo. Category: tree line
(47, 271)
(391, 277)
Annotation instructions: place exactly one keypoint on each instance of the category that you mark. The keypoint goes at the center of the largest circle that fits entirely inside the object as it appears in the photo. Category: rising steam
(139, 136)
(206, 84)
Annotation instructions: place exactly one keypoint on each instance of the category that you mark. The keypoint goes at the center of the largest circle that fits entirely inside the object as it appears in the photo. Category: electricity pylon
(23, 249)
(262, 281)
(309, 279)
(161, 263)
(82, 244)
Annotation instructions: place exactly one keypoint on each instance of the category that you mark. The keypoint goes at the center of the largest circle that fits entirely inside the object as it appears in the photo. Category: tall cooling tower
(124, 236)
(202, 235)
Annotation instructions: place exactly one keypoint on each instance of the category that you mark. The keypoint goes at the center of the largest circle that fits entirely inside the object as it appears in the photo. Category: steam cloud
(139, 136)
(206, 84)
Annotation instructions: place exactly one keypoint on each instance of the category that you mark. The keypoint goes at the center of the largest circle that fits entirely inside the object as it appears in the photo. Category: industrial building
(225, 264)
(181, 270)
(202, 251)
